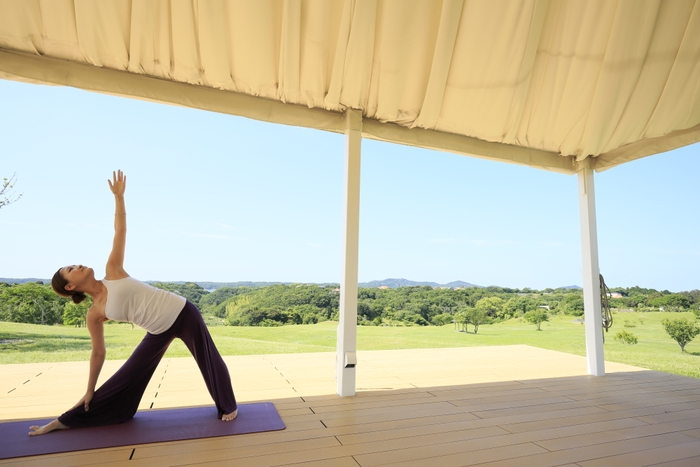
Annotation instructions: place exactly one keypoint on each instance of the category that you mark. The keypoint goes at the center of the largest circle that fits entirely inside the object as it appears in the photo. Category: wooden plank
(441, 445)
(489, 404)
(425, 410)
(671, 416)
(467, 457)
(494, 387)
(695, 432)
(618, 399)
(375, 402)
(599, 451)
(290, 450)
(70, 459)
(466, 393)
(678, 452)
(687, 462)
(602, 437)
(553, 433)
(531, 423)
(231, 442)
(346, 461)
(630, 393)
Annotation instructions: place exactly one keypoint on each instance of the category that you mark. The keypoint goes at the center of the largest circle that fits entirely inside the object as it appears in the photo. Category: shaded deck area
(491, 406)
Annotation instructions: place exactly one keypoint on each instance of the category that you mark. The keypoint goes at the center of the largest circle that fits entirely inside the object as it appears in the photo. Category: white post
(591, 273)
(346, 357)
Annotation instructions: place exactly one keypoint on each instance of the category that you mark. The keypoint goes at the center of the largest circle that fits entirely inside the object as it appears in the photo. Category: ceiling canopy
(552, 84)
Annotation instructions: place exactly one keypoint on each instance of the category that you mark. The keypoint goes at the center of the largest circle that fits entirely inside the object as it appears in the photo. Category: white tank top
(130, 300)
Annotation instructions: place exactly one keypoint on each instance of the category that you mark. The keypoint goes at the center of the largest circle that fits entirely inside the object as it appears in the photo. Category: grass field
(25, 343)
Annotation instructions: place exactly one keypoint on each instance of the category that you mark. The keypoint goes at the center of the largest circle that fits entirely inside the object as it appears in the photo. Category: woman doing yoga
(163, 314)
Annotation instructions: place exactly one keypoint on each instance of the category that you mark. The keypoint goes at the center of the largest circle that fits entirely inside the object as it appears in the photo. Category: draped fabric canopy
(557, 85)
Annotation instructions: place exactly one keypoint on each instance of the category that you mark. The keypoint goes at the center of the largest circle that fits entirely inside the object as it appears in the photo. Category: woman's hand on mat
(84, 401)
(118, 183)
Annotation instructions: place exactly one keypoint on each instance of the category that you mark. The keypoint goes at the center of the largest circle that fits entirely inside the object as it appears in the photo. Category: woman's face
(76, 275)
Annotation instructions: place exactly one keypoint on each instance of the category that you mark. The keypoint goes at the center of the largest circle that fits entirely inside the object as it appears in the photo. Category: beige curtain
(551, 84)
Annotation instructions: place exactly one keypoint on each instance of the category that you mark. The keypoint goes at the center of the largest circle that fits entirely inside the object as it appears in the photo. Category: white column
(346, 357)
(591, 273)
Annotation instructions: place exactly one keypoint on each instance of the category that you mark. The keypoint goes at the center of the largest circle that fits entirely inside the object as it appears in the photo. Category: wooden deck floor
(490, 406)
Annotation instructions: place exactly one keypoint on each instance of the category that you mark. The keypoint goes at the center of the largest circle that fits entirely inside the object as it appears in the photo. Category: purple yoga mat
(151, 426)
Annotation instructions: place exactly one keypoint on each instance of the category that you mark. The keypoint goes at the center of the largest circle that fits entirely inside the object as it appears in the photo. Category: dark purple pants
(118, 398)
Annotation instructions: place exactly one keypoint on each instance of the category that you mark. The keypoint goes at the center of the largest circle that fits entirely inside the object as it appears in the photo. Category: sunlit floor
(495, 406)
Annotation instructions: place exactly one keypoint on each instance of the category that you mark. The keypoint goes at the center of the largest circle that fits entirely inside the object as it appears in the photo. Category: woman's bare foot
(227, 417)
(40, 430)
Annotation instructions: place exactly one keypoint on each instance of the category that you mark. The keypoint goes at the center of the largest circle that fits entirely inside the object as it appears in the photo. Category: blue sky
(212, 197)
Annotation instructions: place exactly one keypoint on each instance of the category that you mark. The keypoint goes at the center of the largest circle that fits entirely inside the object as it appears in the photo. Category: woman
(163, 314)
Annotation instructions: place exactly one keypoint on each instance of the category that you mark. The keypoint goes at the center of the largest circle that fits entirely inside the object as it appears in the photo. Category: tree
(518, 306)
(442, 319)
(537, 317)
(303, 314)
(693, 298)
(476, 317)
(189, 290)
(6, 196)
(461, 320)
(681, 330)
(74, 313)
(491, 307)
(572, 304)
(625, 337)
(670, 302)
(215, 302)
(31, 303)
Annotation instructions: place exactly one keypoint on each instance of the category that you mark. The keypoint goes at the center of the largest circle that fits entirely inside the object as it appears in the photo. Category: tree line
(285, 304)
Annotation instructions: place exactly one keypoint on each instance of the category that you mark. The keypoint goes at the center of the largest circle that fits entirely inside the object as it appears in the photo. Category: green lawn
(24, 343)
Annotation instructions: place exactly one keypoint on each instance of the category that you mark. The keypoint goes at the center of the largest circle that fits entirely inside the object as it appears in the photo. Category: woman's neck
(95, 289)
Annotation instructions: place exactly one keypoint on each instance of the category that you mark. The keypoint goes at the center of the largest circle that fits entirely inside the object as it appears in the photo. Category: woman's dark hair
(59, 286)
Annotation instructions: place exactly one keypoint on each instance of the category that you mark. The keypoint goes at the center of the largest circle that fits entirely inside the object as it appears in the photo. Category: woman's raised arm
(115, 263)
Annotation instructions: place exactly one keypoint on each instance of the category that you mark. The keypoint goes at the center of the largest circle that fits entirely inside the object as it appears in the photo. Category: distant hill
(391, 283)
(396, 283)
(217, 285)
(462, 284)
(23, 281)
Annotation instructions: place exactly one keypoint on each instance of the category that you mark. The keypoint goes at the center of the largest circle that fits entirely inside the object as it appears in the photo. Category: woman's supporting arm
(115, 263)
(95, 325)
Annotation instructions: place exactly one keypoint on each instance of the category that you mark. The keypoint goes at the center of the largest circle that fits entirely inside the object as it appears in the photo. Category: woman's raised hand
(118, 183)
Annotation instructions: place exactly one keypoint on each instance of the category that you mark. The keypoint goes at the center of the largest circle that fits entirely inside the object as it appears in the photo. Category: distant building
(615, 295)
(383, 287)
